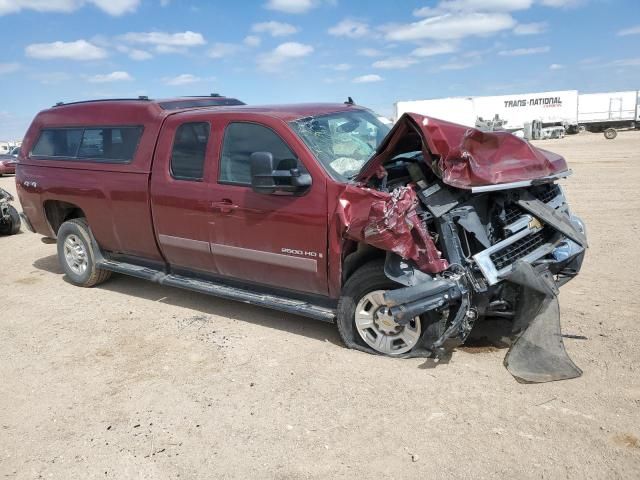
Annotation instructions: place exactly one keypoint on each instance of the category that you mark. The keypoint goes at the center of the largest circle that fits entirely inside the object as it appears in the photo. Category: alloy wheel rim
(379, 330)
(75, 255)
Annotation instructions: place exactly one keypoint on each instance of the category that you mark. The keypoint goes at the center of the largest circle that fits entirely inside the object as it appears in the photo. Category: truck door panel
(180, 194)
(275, 240)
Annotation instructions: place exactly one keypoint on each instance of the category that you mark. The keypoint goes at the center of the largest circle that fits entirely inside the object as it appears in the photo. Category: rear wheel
(365, 321)
(76, 256)
(610, 133)
(11, 224)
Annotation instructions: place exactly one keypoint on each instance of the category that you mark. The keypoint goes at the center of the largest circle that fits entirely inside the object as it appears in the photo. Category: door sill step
(274, 302)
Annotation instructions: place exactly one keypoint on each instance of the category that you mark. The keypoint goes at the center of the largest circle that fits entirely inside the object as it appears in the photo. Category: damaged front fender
(388, 221)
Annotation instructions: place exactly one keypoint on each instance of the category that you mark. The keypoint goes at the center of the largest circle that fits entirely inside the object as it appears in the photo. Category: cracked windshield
(342, 141)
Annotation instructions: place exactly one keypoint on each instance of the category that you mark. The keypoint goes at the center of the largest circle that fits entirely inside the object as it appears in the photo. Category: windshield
(342, 141)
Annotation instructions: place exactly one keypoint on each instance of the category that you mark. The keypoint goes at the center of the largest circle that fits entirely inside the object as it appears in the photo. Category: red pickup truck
(405, 237)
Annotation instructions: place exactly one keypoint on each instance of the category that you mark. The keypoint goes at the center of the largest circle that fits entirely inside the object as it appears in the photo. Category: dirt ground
(135, 380)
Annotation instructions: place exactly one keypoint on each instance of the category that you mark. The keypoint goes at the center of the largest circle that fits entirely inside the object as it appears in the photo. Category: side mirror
(265, 179)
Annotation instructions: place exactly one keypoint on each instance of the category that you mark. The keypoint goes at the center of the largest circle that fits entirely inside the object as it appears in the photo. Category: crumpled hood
(465, 157)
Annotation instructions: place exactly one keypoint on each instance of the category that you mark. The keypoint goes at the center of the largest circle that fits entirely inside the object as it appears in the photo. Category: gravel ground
(135, 380)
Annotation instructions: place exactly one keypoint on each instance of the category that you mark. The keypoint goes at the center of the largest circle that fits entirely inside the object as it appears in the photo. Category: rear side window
(189, 149)
(243, 139)
(89, 144)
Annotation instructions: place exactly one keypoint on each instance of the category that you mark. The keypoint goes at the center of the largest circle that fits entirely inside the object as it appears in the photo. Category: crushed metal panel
(389, 221)
(466, 157)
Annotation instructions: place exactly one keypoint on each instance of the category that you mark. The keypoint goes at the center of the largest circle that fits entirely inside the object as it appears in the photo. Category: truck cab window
(189, 148)
(241, 139)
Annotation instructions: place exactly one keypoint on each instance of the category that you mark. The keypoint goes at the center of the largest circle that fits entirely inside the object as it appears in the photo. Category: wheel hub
(385, 321)
(377, 327)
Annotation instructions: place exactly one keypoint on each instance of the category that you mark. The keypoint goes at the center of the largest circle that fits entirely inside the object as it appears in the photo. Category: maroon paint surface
(131, 206)
(469, 157)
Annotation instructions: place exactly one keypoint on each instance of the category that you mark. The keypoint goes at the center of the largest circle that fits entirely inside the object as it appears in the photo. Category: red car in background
(8, 162)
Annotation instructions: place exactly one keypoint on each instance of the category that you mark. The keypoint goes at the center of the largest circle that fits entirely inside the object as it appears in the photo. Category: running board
(274, 302)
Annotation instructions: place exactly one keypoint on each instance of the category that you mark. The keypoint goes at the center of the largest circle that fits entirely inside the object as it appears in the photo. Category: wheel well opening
(58, 212)
(359, 254)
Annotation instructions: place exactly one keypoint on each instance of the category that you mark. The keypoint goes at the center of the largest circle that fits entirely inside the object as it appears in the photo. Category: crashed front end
(475, 226)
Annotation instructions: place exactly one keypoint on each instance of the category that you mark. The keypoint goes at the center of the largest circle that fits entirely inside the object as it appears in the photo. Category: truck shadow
(207, 305)
(488, 336)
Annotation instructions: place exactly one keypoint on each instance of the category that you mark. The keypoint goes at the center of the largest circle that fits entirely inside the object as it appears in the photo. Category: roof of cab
(139, 110)
(142, 110)
(285, 112)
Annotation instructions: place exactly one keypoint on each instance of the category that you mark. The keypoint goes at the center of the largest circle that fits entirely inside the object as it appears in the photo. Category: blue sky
(276, 51)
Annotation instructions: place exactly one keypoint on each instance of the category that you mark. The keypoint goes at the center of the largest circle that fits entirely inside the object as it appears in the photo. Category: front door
(274, 240)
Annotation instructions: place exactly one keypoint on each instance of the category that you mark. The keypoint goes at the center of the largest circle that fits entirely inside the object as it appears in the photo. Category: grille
(546, 193)
(521, 248)
(511, 213)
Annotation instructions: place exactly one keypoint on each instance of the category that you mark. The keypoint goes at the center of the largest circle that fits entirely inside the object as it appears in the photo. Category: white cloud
(629, 31)
(252, 41)
(78, 50)
(456, 66)
(349, 28)
(117, 7)
(182, 39)
(556, 66)
(434, 49)
(395, 63)
(134, 53)
(371, 78)
(562, 3)
(6, 68)
(339, 67)
(451, 27)
(221, 50)
(446, 6)
(534, 28)
(369, 52)
(291, 6)
(626, 62)
(275, 29)
(183, 79)
(112, 7)
(271, 61)
(517, 52)
(110, 77)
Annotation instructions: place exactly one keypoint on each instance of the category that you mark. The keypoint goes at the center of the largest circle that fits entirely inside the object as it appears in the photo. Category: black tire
(79, 231)
(12, 226)
(366, 279)
(610, 133)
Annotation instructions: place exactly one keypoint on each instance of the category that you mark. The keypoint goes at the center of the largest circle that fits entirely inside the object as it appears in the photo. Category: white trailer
(549, 108)
(605, 112)
(5, 147)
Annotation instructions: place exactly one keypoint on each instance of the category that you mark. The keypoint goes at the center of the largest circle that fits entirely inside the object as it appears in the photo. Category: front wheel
(76, 256)
(364, 321)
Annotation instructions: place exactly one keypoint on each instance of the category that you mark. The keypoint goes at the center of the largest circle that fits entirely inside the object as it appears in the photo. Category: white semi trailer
(606, 112)
(594, 112)
(549, 108)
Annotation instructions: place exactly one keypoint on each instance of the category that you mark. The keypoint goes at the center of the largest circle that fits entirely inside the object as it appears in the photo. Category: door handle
(225, 205)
